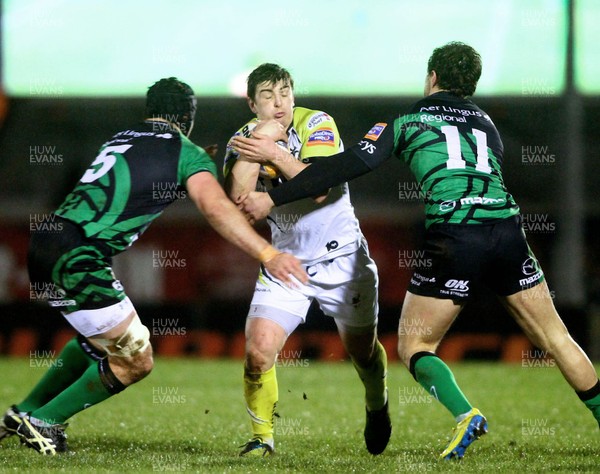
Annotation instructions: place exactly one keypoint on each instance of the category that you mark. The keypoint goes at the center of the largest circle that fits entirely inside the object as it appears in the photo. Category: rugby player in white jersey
(325, 235)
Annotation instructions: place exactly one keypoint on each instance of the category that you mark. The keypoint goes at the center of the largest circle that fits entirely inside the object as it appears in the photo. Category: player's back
(455, 152)
(136, 175)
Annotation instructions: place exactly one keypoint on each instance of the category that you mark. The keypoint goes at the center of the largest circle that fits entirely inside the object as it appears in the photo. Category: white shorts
(345, 288)
(91, 322)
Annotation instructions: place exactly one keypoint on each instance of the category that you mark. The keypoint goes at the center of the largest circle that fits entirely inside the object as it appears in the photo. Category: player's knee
(133, 369)
(134, 341)
(260, 358)
(361, 347)
(362, 356)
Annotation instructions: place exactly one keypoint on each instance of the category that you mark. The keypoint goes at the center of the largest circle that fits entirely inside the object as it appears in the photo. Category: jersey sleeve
(231, 155)
(375, 147)
(192, 160)
(378, 143)
(320, 136)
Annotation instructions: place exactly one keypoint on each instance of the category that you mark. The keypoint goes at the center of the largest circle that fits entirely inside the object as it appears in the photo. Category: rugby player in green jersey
(113, 203)
(474, 232)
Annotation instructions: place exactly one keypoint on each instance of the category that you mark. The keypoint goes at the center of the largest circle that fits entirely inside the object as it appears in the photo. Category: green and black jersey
(138, 173)
(452, 148)
(455, 154)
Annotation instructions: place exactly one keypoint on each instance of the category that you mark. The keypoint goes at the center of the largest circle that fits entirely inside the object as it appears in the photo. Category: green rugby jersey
(455, 153)
(137, 174)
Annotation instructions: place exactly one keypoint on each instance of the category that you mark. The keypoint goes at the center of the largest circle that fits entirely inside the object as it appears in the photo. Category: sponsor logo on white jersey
(318, 119)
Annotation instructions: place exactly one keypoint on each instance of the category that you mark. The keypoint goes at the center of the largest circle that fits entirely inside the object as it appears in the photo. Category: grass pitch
(189, 416)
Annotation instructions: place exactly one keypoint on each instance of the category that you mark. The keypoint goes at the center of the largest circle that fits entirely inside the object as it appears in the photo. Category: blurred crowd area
(183, 277)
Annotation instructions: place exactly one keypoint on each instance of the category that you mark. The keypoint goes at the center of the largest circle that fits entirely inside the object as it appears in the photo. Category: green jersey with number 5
(138, 173)
(455, 153)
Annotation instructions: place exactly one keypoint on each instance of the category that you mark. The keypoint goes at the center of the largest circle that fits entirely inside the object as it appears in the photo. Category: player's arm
(365, 156)
(268, 152)
(265, 151)
(208, 196)
(321, 175)
(320, 140)
(241, 177)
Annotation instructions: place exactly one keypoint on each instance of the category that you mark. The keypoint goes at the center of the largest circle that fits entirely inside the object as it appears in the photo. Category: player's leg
(129, 359)
(534, 311)
(349, 293)
(97, 307)
(76, 274)
(275, 312)
(454, 257)
(75, 357)
(264, 339)
(423, 323)
(519, 281)
(370, 361)
(78, 354)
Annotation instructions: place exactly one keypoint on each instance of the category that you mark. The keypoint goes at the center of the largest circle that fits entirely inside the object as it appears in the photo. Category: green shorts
(70, 271)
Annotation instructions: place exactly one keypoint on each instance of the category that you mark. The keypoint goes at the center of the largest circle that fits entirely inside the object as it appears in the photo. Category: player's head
(271, 93)
(172, 100)
(454, 67)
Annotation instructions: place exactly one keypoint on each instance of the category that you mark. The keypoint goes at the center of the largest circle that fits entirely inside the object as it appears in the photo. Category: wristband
(268, 253)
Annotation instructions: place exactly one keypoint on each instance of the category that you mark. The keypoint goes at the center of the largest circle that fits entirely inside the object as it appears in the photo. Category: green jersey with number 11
(455, 153)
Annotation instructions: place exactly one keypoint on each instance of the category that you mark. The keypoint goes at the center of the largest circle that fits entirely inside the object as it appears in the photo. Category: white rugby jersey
(312, 232)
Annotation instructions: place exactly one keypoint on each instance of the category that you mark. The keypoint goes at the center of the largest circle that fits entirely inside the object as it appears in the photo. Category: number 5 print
(106, 159)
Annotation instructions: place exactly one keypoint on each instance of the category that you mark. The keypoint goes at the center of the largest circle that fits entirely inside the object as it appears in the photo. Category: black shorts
(457, 257)
(70, 271)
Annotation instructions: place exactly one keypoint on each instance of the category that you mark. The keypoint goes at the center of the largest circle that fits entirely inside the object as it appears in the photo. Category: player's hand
(258, 149)
(212, 150)
(255, 205)
(272, 129)
(287, 268)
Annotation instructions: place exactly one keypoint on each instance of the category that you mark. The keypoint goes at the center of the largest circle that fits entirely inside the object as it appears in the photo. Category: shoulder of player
(309, 119)
(189, 147)
(230, 154)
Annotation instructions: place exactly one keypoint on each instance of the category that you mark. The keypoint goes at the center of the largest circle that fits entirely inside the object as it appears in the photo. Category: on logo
(458, 285)
(530, 266)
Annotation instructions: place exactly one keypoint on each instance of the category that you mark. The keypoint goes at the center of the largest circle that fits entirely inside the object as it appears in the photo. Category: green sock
(374, 379)
(436, 377)
(95, 385)
(591, 399)
(73, 360)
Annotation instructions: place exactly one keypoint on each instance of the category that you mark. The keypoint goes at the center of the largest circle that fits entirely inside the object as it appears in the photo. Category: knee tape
(133, 341)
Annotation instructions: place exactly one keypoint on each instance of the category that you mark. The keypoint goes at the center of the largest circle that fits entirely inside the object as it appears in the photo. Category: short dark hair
(267, 72)
(458, 68)
(172, 100)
